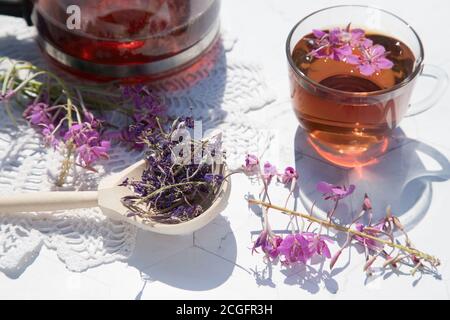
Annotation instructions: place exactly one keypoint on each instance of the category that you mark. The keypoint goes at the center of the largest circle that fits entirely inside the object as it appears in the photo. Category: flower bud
(367, 204)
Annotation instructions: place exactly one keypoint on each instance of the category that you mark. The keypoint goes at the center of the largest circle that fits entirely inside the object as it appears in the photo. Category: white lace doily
(223, 97)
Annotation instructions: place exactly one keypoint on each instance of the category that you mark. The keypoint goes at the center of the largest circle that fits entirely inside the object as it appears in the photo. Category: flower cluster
(297, 247)
(64, 116)
(87, 141)
(171, 189)
(252, 166)
(40, 116)
(350, 46)
(57, 113)
(293, 248)
(300, 245)
(375, 248)
(68, 127)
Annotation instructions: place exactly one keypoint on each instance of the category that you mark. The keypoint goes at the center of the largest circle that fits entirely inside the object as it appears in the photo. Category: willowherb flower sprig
(63, 114)
(379, 239)
(350, 46)
(182, 177)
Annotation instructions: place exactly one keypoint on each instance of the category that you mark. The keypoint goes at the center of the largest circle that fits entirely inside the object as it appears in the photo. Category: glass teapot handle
(17, 8)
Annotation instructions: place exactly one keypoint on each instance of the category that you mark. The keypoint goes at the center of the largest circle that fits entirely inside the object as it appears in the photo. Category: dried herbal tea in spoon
(182, 178)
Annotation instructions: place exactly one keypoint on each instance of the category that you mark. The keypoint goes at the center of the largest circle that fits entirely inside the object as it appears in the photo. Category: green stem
(6, 79)
(65, 167)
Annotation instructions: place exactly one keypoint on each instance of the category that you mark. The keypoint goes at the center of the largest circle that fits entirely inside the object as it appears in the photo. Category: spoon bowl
(108, 199)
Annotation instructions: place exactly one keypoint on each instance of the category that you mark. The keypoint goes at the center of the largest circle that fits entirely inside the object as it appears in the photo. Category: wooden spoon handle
(48, 201)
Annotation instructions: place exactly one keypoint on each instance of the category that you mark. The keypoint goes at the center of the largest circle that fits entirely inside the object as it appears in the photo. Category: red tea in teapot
(117, 32)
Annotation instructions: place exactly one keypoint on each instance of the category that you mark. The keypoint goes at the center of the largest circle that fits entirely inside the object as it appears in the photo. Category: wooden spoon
(108, 199)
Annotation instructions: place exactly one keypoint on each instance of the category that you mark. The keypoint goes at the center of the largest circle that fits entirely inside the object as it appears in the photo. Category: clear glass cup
(352, 129)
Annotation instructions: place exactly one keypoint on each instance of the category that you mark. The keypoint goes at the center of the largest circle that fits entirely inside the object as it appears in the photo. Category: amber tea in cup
(351, 99)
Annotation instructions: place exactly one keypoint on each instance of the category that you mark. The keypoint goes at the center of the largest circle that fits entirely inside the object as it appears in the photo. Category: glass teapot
(122, 39)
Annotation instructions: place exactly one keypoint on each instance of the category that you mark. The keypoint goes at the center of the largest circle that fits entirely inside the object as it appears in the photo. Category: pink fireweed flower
(318, 244)
(320, 34)
(369, 243)
(294, 248)
(93, 122)
(48, 136)
(289, 175)
(322, 45)
(251, 164)
(338, 44)
(88, 154)
(345, 54)
(88, 144)
(269, 171)
(352, 37)
(37, 114)
(80, 133)
(350, 46)
(374, 60)
(333, 192)
(331, 52)
(268, 243)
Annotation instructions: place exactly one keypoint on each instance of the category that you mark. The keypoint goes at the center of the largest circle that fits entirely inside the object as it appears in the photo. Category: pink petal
(289, 171)
(344, 50)
(326, 251)
(334, 35)
(301, 240)
(377, 50)
(270, 170)
(318, 33)
(106, 144)
(324, 187)
(338, 191)
(352, 59)
(366, 69)
(287, 242)
(357, 33)
(367, 43)
(350, 189)
(384, 63)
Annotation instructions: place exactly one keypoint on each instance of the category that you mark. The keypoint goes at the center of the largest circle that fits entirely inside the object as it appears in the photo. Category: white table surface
(217, 262)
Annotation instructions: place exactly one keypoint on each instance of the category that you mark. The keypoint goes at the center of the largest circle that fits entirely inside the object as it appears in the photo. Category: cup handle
(441, 79)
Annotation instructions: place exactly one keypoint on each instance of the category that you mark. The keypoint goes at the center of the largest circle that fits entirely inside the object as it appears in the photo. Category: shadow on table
(311, 277)
(400, 179)
(181, 263)
(21, 49)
